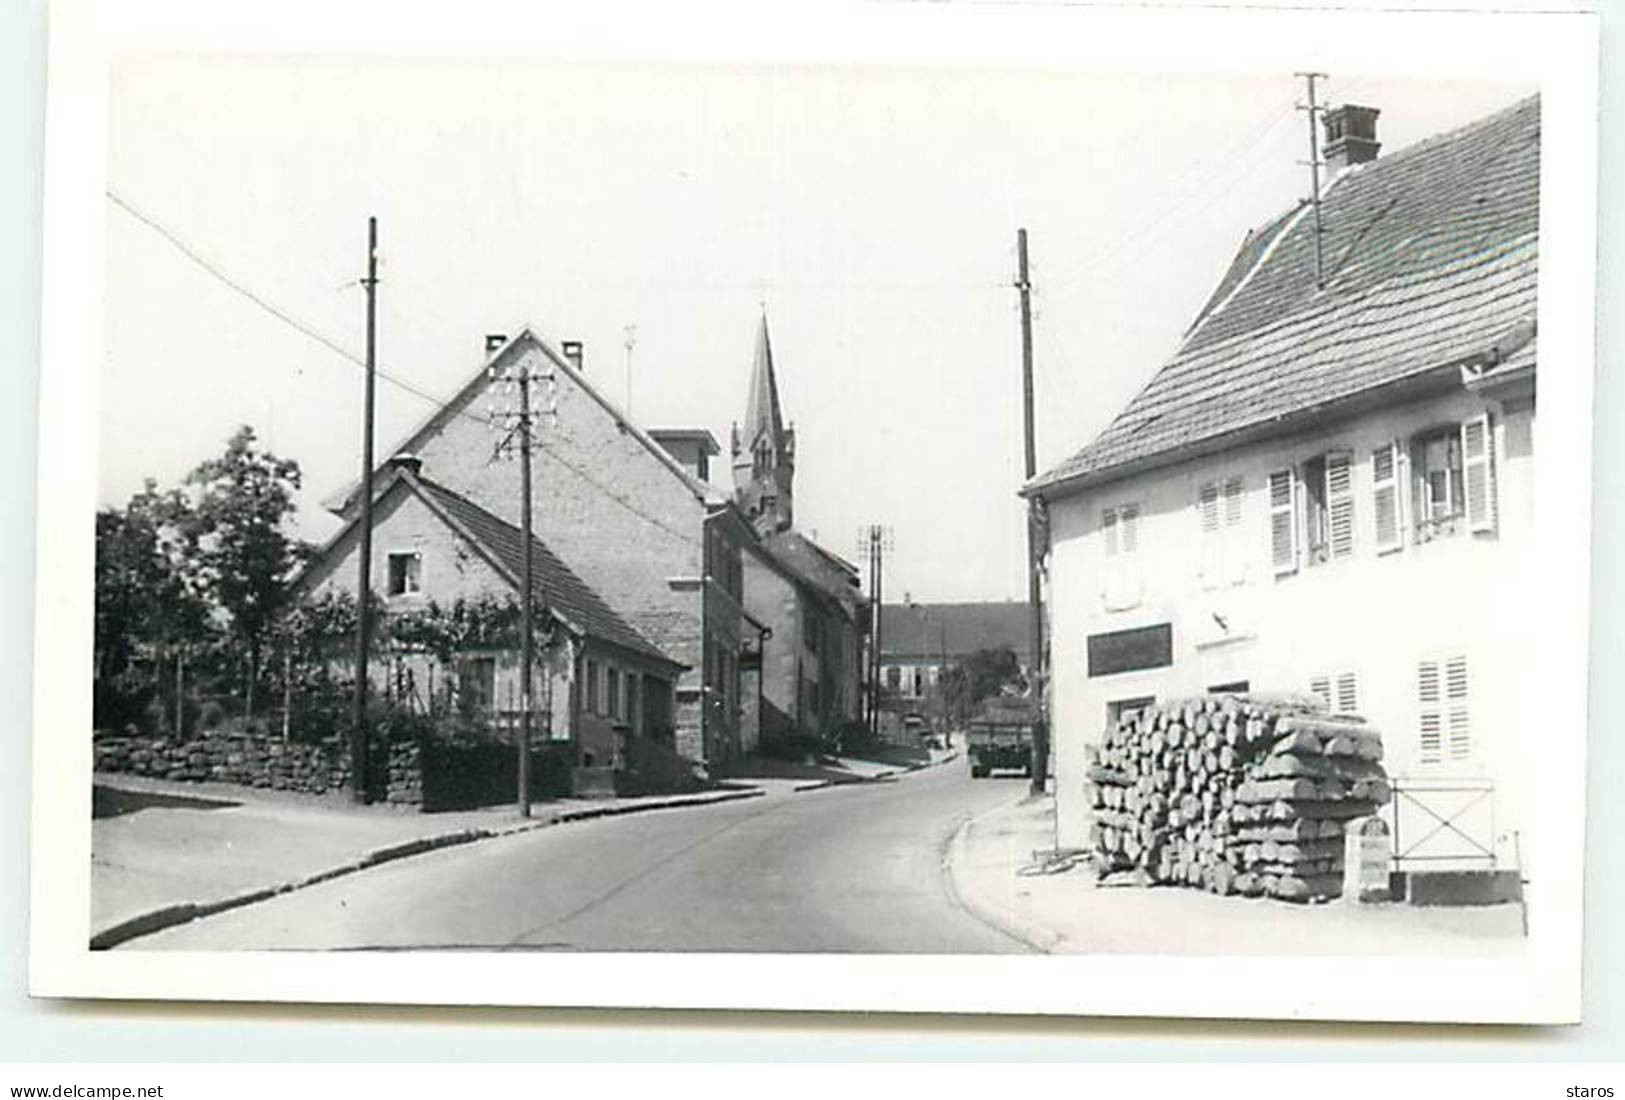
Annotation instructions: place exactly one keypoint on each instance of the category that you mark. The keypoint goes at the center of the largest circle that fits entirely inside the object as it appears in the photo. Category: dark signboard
(1130, 650)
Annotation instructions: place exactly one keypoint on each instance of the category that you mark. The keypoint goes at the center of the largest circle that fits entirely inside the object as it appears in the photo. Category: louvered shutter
(1458, 731)
(1339, 506)
(1109, 532)
(1207, 507)
(1129, 520)
(1283, 524)
(1385, 498)
(1430, 712)
(1478, 473)
(1348, 698)
(1322, 686)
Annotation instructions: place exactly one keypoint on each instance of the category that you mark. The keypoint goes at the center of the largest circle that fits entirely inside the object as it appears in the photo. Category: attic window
(405, 573)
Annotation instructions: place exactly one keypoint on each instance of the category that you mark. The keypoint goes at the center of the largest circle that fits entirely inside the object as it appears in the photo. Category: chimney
(493, 341)
(572, 353)
(407, 463)
(1351, 137)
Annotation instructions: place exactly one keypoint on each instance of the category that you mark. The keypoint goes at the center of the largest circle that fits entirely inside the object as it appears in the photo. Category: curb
(879, 777)
(999, 917)
(168, 916)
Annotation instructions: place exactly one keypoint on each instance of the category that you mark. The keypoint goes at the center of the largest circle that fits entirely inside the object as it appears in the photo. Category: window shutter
(1339, 506)
(1209, 503)
(1385, 498)
(1429, 697)
(1129, 520)
(1458, 726)
(1348, 698)
(1478, 473)
(1108, 530)
(1322, 686)
(1283, 524)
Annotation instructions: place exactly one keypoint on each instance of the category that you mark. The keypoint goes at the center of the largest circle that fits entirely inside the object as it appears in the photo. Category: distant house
(637, 523)
(804, 681)
(432, 547)
(1328, 488)
(917, 640)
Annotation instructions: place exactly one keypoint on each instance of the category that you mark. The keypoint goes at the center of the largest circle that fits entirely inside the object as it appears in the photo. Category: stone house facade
(641, 528)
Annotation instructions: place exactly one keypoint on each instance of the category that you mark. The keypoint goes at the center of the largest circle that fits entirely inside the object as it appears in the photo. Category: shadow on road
(112, 802)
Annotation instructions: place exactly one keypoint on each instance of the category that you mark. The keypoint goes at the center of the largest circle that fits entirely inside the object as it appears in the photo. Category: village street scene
(578, 509)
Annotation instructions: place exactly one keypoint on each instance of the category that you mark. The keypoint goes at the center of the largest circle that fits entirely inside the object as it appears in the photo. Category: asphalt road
(857, 868)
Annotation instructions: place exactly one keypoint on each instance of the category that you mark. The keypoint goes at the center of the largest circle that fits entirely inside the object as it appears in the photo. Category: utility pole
(875, 538)
(363, 630)
(1313, 110)
(630, 332)
(522, 438)
(1034, 595)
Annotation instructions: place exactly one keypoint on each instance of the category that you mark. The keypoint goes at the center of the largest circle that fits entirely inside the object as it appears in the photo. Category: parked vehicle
(1001, 736)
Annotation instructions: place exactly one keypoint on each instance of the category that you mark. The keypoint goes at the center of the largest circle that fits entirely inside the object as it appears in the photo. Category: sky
(871, 211)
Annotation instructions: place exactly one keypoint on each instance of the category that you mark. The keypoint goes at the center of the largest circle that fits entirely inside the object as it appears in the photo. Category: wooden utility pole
(363, 630)
(1312, 109)
(527, 649)
(1034, 595)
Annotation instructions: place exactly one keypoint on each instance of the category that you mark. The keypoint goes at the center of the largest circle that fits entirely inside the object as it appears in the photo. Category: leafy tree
(237, 533)
(148, 603)
(983, 674)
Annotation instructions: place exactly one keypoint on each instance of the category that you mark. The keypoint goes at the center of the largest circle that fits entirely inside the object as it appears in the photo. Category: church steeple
(764, 450)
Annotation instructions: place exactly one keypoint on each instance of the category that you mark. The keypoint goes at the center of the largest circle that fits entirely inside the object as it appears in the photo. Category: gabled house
(919, 640)
(599, 685)
(804, 682)
(644, 530)
(1328, 488)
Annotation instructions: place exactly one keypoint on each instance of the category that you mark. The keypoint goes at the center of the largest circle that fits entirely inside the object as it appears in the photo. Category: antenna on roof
(1314, 110)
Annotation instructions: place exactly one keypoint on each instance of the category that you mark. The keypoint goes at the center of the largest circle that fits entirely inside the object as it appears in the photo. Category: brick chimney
(572, 352)
(1350, 137)
(493, 341)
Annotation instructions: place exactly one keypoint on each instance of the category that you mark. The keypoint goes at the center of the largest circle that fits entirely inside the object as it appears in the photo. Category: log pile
(1235, 794)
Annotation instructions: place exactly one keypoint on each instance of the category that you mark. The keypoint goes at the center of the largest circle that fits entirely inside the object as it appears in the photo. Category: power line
(338, 349)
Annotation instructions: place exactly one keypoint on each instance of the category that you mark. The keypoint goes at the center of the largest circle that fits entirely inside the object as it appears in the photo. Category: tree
(237, 533)
(983, 674)
(148, 603)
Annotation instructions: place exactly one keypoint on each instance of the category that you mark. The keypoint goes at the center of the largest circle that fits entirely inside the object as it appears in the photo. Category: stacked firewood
(1236, 794)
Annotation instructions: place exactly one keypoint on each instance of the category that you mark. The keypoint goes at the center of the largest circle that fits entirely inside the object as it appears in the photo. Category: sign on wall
(1131, 650)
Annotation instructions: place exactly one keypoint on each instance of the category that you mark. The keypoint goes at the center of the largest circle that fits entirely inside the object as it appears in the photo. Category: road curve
(857, 868)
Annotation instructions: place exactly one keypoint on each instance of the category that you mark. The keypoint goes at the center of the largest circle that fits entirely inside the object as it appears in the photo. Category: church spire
(764, 449)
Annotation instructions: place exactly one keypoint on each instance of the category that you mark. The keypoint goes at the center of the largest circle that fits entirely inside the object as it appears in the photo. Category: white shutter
(1459, 741)
(1129, 519)
(1339, 506)
(1348, 697)
(1108, 531)
(1322, 686)
(1385, 498)
(1207, 507)
(1283, 523)
(1210, 507)
(1430, 715)
(1478, 472)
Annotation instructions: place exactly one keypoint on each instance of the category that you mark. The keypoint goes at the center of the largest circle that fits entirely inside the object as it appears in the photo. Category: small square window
(405, 573)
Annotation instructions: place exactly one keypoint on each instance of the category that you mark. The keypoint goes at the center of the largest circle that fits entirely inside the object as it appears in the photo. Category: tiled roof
(1430, 259)
(925, 630)
(826, 573)
(554, 584)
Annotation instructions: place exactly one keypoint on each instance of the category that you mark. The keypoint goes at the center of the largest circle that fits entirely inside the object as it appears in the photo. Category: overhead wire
(271, 308)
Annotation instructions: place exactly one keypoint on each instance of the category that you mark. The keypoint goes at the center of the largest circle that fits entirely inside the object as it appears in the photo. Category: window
(477, 682)
(1454, 479)
(894, 677)
(1234, 687)
(629, 705)
(405, 572)
(614, 693)
(1329, 507)
(1219, 509)
(1117, 708)
(1120, 527)
(1444, 718)
(1339, 690)
(591, 701)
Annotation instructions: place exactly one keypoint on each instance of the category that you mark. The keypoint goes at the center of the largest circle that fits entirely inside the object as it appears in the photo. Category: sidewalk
(1067, 913)
(834, 771)
(164, 853)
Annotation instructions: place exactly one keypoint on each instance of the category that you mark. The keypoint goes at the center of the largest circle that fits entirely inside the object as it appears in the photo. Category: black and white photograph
(1079, 530)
